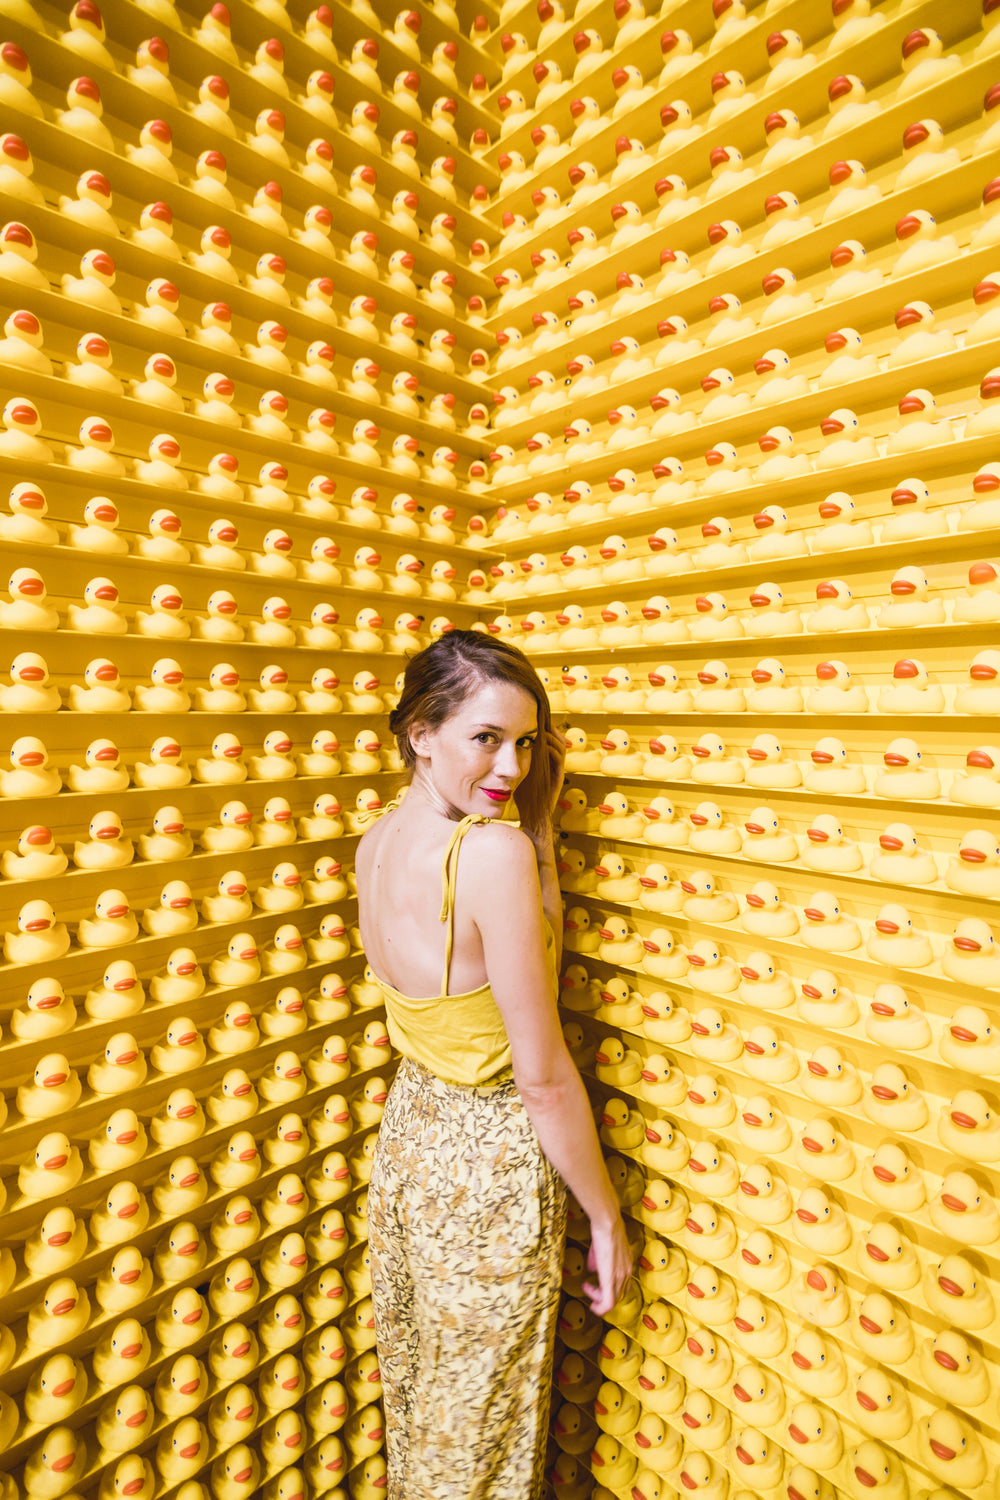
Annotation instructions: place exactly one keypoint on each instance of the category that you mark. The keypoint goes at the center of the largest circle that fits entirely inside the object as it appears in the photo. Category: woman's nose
(507, 762)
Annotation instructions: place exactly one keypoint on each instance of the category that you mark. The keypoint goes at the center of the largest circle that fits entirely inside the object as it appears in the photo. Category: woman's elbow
(544, 1080)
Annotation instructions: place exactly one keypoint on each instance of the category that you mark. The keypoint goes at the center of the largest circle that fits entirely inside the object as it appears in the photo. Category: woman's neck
(422, 793)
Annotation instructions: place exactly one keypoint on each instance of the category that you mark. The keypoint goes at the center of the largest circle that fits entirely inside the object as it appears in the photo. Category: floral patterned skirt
(466, 1223)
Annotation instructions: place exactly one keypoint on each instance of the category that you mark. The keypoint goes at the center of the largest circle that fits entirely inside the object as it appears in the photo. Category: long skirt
(466, 1225)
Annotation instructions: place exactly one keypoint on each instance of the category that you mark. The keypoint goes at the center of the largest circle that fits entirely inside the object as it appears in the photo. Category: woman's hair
(437, 682)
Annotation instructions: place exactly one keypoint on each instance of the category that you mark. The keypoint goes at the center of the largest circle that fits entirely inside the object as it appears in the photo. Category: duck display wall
(234, 437)
(666, 344)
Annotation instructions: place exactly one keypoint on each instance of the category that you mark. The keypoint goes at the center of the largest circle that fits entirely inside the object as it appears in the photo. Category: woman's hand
(611, 1258)
(555, 747)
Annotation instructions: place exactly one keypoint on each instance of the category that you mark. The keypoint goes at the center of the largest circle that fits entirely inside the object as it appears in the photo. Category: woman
(487, 1116)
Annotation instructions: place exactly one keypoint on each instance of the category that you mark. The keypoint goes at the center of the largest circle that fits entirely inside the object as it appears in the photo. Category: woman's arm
(548, 880)
(502, 883)
(544, 842)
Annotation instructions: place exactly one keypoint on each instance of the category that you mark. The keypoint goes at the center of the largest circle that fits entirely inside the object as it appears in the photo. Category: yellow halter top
(459, 1038)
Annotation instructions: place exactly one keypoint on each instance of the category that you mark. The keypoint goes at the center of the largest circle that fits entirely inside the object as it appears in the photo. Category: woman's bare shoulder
(502, 849)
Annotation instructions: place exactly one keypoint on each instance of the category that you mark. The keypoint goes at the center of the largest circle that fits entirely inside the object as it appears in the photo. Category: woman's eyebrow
(499, 729)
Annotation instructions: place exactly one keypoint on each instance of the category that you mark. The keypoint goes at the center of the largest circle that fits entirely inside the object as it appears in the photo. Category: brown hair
(440, 678)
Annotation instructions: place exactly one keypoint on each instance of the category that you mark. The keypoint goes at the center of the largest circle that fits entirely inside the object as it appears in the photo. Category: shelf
(871, 139)
(55, 228)
(867, 310)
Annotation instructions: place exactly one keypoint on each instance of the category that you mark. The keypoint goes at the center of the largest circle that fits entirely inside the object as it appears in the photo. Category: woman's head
(463, 678)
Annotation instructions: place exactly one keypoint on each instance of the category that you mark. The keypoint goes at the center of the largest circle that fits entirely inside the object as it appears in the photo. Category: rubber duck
(710, 970)
(886, 1255)
(954, 1294)
(124, 1419)
(164, 619)
(969, 1043)
(122, 1067)
(182, 1319)
(709, 1103)
(223, 767)
(664, 1149)
(56, 1464)
(46, 1012)
(16, 164)
(966, 1126)
(31, 774)
(822, 1153)
(951, 1449)
(22, 348)
(893, 939)
(830, 770)
(818, 1438)
(123, 1353)
(123, 1215)
(828, 847)
(183, 1385)
(760, 1128)
(882, 1329)
(183, 979)
(831, 1080)
(54, 1168)
(766, 1198)
(763, 983)
(892, 1181)
(239, 964)
(712, 834)
(38, 937)
(827, 927)
(122, 1143)
(275, 763)
(981, 602)
(31, 690)
(18, 253)
(954, 1369)
(219, 623)
(25, 523)
(236, 1227)
(175, 914)
(768, 1058)
(56, 1390)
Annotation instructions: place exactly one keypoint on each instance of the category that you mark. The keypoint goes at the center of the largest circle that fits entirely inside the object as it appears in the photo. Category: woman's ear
(419, 736)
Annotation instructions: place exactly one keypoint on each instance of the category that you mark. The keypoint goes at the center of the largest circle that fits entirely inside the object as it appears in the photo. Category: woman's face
(474, 761)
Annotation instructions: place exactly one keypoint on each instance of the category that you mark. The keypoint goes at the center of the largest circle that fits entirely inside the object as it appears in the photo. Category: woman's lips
(495, 795)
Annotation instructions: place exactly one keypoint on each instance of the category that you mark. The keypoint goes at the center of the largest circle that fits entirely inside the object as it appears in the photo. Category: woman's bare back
(399, 869)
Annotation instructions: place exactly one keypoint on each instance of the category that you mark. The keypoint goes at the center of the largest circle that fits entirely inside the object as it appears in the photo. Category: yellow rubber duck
(285, 1204)
(121, 1069)
(55, 1466)
(54, 1391)
(58, 1315)
(234, 1098)
(233, 1414)
(282, 1327)
(125, 1282)
(327, 1241)
(125, 1419)
(182, 1320)
(284, 1081)
(123, 1353)
(181, 1386)
(123, 1214)
(234, 1353)
(955, 1293)
(327, 1407)
(181, 1451)
(615, 1065)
